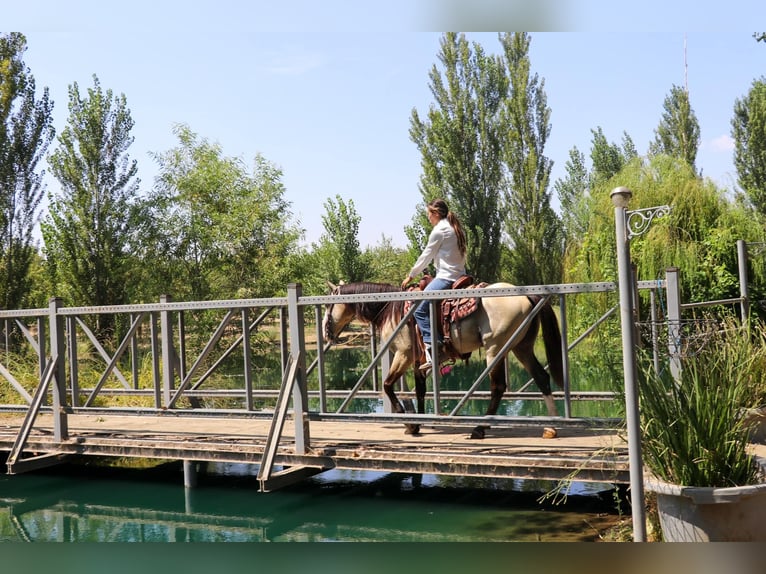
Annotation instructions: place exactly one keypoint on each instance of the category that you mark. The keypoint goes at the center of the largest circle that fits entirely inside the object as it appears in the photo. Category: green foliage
(749, 133)
(88, 229)
(26, 130)
(220, 232)
(340, 241)
(698, 236)
(678, 134)
(693, 432)
(532, 226)
(460, 143)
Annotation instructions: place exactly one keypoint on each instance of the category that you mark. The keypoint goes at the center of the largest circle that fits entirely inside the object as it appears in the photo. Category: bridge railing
(226, 358)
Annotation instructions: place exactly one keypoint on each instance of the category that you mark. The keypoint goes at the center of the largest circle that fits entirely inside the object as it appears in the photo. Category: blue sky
(325, 89)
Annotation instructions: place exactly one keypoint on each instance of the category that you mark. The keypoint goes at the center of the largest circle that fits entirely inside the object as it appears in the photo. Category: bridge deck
(595, 454)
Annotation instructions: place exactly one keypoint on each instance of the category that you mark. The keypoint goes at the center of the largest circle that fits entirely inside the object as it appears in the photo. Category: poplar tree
(461, 146)
(341, 223)
(609, 158)
(26, 130)
(88, 228)
(678, 133)
(532, 225)
(572, 192)
(749, 134)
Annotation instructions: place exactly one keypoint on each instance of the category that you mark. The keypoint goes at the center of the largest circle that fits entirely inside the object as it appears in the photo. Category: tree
(572, 193)
(26, 130)
(460, 143)
(749, 134)
(609, 158)
(341, 223)
(88, 229)
(678, 134)
(221, 230)
(531, 223)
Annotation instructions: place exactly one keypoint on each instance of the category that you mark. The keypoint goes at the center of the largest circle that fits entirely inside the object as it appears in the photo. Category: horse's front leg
(397, 370)
(497, 387)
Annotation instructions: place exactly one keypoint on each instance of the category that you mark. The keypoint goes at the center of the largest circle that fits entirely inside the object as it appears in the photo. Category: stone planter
(706, 514)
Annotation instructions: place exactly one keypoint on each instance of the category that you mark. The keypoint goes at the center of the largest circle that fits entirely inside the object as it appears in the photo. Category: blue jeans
(423, 312)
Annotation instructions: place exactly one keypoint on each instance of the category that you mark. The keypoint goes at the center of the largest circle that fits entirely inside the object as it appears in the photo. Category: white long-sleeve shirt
(442, 248)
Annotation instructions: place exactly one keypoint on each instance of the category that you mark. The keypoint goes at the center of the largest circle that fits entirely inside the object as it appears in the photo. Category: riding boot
(426, 366)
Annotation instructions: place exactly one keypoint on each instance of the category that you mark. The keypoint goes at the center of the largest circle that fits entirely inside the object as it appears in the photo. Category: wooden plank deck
(579, 452)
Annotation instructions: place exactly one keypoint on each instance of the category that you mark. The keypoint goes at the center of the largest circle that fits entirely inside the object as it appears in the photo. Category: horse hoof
(413, 430)
(478, 433)
(549, 432)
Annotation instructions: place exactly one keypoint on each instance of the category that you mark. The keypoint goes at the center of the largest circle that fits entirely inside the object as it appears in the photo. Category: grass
(693, 431)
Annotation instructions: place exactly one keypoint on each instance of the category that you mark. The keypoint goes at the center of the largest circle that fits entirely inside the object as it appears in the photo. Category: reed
(693, 431)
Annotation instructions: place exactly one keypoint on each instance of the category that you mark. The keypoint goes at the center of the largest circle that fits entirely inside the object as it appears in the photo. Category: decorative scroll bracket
(639, 220)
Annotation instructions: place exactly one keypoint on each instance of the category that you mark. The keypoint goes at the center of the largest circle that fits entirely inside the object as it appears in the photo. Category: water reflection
(153, 506)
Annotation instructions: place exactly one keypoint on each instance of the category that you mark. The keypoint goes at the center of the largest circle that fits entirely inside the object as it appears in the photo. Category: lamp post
(620, 197)
(630, 224)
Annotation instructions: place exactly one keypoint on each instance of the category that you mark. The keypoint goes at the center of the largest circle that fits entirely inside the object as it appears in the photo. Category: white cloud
(723, 143)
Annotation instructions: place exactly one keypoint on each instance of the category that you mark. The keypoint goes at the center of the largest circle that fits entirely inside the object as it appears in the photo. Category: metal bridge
(262, 389)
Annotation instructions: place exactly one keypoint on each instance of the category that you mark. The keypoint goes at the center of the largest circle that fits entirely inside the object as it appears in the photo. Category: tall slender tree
(88, 227)
(678, 133)
(572, 192)
(460, 142)
(26, 130)
(531, 223)
(749, 134)
(341, 223)
(609, 158)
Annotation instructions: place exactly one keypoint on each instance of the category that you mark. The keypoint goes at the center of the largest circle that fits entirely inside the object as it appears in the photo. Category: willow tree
(532, 225)
(749, 134)
(461, 147)
(26, 130)
(678, 133)
(88, 229)
(698, 236)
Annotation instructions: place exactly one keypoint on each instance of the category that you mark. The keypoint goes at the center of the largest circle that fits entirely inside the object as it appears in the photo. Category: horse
(490, 326)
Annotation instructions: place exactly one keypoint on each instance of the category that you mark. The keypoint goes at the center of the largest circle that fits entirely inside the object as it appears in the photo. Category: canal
(95, 503)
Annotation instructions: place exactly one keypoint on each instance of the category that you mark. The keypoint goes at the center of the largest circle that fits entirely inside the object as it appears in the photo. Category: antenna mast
(686, 68)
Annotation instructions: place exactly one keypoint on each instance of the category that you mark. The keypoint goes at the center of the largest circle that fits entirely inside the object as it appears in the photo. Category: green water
(151, 505)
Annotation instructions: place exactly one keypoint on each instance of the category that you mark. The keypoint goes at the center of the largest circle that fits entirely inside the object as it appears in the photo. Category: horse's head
(336, 317)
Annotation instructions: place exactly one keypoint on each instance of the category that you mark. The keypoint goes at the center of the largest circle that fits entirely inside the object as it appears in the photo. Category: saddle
(451, 311)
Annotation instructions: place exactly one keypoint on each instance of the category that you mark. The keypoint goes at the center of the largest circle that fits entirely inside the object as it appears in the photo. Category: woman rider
(446, 248)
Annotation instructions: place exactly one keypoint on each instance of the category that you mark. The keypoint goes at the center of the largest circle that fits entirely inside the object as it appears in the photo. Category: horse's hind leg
(526, 357)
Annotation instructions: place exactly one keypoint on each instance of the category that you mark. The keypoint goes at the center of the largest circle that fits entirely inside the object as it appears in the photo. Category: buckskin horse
(494, 322)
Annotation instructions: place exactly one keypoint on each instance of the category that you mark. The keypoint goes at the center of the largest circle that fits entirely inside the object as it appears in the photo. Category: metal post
(166, 333)
(743, 292)
(298, 351)
(56, 322)
(190, 474)
(434, 306)
(565, 356)
(620, 198)
(673, 296)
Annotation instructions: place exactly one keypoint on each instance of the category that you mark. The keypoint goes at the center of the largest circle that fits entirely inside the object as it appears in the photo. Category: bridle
(329, 322)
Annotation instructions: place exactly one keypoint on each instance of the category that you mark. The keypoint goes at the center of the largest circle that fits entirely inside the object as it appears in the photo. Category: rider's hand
(406, 282)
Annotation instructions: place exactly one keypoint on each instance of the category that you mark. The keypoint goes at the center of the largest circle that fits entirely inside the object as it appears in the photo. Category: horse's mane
(375, 312)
